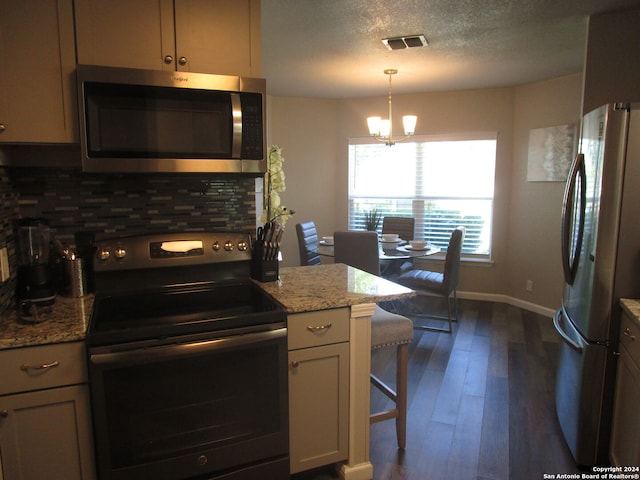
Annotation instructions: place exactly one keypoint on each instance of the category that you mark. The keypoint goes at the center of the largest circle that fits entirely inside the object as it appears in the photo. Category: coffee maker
(34, 282)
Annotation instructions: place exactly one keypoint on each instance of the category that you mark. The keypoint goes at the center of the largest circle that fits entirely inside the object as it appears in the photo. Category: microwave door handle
(236, 112)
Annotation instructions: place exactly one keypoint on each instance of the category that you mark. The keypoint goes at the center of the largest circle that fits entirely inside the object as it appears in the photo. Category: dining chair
(360, 250)
(403, 226)
(308, 243)
(443, 284)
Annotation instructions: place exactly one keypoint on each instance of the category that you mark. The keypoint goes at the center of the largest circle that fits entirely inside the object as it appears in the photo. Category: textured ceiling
(333, 48)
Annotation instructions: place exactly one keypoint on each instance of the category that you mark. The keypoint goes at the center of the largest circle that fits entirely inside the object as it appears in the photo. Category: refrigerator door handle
(571, 251)
(567, 339)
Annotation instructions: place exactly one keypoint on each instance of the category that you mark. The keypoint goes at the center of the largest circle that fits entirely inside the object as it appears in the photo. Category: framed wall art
(551, 151)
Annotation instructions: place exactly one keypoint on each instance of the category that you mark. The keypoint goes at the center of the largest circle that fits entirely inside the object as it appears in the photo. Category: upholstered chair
(403, 226)
(443, 284)
(308, 243)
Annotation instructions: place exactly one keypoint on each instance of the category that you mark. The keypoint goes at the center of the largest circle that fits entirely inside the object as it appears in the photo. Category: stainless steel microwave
(155, 121)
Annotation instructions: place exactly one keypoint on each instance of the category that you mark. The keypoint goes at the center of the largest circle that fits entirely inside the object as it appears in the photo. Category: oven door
(181, 410)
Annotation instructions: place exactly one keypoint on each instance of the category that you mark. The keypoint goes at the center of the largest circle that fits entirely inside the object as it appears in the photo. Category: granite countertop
(66, 322)
(632, 307)
(300, 289)
(321, 287)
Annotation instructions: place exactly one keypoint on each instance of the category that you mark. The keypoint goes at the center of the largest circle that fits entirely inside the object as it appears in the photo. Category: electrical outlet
(4, 265)
(529, 285)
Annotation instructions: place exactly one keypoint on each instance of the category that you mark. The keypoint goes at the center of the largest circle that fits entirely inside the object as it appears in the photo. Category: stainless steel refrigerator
(601, 260)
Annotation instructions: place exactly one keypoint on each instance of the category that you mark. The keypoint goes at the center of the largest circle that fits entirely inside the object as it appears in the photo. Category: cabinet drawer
(46, 366)
(630, 337)
(323, 327)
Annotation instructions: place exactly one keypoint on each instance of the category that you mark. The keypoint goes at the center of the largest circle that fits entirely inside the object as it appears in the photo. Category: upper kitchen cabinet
(37, 64)
(611, 67)
(205, 36)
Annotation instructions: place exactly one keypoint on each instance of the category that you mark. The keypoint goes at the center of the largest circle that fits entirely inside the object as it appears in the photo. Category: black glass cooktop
(176, 311)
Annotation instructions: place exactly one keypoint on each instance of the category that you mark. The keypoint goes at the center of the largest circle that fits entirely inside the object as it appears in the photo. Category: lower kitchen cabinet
(46, 434)
(318, 388)
(625, 435)
(45, 419)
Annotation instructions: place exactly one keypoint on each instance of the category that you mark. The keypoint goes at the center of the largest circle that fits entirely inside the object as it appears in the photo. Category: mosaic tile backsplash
(112, 205)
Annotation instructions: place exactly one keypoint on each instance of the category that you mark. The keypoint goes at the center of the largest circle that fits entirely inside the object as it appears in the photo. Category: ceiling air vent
(407, 41)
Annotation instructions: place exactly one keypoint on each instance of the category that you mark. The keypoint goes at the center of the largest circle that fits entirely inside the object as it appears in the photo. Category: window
(442, 182)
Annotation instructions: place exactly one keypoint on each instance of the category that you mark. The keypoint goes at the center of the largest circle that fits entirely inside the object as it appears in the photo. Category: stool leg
(402, 360)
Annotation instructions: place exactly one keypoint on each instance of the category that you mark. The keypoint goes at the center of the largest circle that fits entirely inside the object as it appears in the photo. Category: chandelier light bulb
(374, 125)
(409, 123)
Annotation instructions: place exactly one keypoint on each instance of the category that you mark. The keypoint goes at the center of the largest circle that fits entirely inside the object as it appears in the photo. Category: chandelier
(382, 129)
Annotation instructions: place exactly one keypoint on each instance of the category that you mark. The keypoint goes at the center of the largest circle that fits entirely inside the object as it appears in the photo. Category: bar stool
(392, 330)
(360, 250)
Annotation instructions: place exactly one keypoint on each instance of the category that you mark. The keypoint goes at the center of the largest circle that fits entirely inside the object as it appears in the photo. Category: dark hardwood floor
(481, 402)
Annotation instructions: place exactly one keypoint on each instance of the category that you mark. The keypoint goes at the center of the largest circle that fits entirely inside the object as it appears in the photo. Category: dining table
(391, 254)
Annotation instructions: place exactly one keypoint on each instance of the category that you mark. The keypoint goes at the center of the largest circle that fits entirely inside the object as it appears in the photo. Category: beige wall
(314, 135)
(305, 129)
(534, 220)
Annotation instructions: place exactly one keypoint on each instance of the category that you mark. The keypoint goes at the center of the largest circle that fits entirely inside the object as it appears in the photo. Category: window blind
(442, 182)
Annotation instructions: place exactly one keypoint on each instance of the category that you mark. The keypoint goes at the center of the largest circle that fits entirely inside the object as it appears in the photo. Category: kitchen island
(333, 288)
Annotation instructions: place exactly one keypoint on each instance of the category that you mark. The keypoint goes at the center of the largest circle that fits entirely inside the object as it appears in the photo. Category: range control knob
(104, 254)
(120, 253)
(243, 246)
(216, 246)
(228, 245)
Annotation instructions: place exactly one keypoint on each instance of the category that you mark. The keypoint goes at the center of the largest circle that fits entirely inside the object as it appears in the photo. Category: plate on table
(322, 242)
(417, 249)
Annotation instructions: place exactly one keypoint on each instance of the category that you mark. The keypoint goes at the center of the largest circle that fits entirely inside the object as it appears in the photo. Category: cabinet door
(206, 36)
(122, 33)
(625, 434)
(219, 36)
(37, 64)
(318, 406)
(47, 434)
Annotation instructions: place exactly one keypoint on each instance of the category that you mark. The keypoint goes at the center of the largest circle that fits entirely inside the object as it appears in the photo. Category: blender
(34, 283)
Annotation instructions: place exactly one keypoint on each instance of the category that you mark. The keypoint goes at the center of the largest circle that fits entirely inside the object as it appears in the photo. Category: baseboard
(516, 302)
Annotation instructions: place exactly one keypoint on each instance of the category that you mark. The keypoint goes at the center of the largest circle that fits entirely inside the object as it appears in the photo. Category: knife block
(263, 270)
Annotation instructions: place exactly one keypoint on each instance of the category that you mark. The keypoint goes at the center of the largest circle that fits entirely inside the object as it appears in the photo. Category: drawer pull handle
(295, 364)
(627, 332)
(4, 413)
(44, 366)
(312, 328)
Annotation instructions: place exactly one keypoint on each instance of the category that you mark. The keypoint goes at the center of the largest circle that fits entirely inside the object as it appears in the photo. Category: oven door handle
(178, 350)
